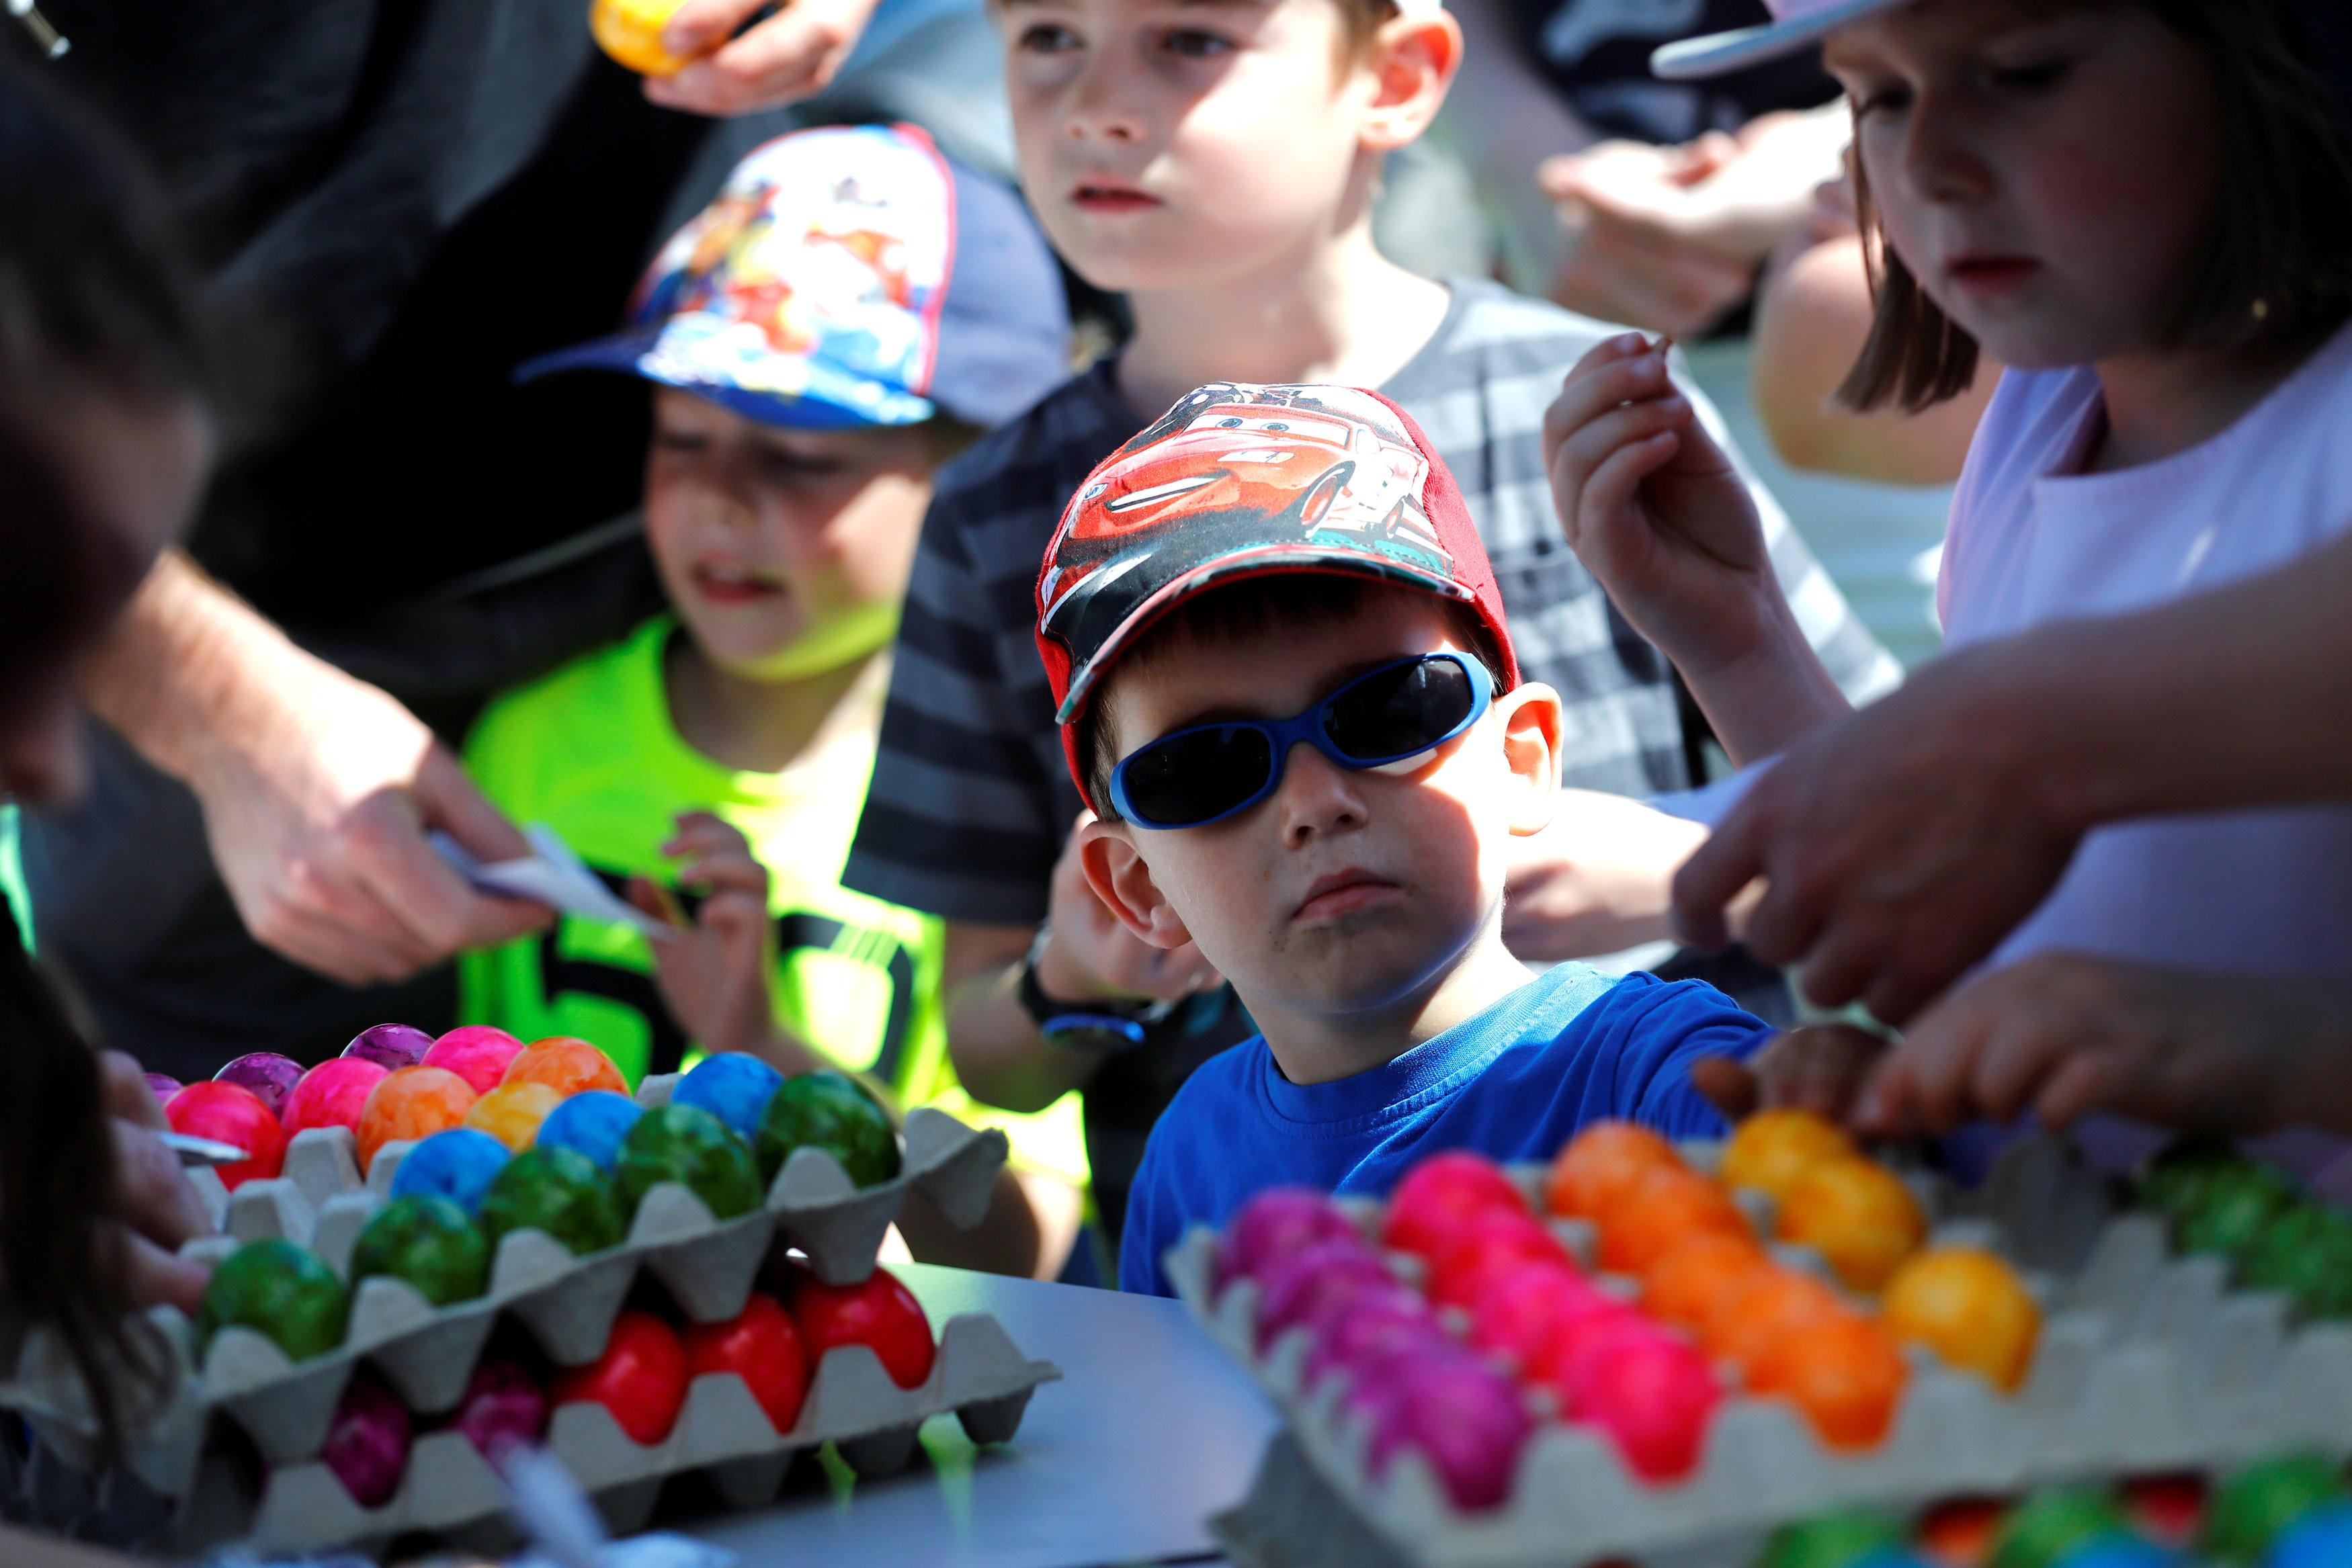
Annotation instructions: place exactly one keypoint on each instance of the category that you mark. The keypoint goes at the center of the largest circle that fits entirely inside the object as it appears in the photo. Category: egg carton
(450, 1490)
(567, 1303)
(2146, 1362)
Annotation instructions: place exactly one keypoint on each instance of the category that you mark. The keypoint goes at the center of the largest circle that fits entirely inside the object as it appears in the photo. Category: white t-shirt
(2034, 540)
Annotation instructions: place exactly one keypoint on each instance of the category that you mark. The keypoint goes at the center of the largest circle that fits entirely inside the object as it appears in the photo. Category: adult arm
(317, 789)
(1501, 121)
(787, 56)
(1899, 846)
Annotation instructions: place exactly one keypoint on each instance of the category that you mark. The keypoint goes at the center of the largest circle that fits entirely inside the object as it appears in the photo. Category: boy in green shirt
(827, 332)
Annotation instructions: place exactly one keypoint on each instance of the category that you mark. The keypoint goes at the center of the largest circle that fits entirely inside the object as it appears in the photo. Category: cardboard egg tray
(2146, 1362)
(567, 1303)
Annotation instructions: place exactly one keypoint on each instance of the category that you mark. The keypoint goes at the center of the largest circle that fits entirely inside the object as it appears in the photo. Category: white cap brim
(1719, 54)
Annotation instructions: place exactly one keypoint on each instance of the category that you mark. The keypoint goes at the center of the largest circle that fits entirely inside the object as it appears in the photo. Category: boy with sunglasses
(1286, 687)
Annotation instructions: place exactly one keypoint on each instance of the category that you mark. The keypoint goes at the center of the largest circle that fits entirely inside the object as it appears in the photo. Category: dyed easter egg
(1310, 1285)
(1659, 1211)
(641, 1378)
(1443, 1194)
(762, 1345)
(368, 1443)
(1467, 1421)
(732, 1086)
(2306, 1250)
(331, 1094)
(1858, 1215)
(391, 1046)
(1971, 1309)
(1370, 1327)
(1652, 1394)
(513, 1113)
(280, 1291)
(457, 1163)
(270, 1076)
(410, 1102)
(428, 1241)
(475, 1053)
(1847, 1539)
(566, 1065)
(594, 1122)
(2253, 1508)
(827, 1111)
(693, 1148)
(2322, 1539)
(503, 1404)
(559, 1190)
(1272, 1225)
(233, 1115)
(1843, 1372)
(1598, 1162)
(630, 31)
(1749, 1317)
(878, 1313)
(1517, 1310)
(1494, 1243)
(2045, 1529)
(1771, 1149)
(1684, 1286)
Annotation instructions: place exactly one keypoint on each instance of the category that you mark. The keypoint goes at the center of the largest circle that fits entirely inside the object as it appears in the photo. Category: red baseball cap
(1237, 481)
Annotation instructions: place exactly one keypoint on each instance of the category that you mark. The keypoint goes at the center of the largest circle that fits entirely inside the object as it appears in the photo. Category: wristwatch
(1101, 1027)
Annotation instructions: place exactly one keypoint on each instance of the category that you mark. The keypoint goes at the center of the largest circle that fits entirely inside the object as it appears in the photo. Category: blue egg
(593, 1122)
(731, 1086)
(2119, 1549)
(457, 1163)
(2319, 1540)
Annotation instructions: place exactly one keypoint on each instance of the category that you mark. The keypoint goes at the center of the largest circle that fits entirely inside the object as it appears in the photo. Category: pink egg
(233, 1115)
(1467, 1419)
(1372, 1326)
(1521, 1306)
(1272, 1225)
(331, 1095)
(1579, 1323)
(270, 1076)
(391, 1046)
(1652, 1394)
(1309, 1285)
(475, 1053)
(1441, 1195)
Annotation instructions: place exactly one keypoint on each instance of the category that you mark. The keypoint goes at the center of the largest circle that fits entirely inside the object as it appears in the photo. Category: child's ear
(1531, 718)
(1121, 879)
(1413, 60)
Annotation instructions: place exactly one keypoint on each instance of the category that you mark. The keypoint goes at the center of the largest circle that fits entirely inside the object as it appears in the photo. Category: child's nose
(1941, 162)
(1102, 100)
(1316, 797)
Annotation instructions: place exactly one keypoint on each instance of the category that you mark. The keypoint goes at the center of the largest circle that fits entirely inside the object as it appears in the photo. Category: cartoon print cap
(847, 276)
(1795, 24)
(1238, 481)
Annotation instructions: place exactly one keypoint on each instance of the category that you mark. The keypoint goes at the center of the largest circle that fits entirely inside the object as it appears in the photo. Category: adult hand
(317, 810)
(1899, 846)
(785, 57)
(1821, 1068)
(2060, 1034)
(1596, 881)
(1090, 955)
(159, 1209)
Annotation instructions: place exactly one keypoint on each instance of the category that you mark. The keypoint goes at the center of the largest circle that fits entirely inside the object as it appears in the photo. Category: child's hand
(2060, 1034)
(1821, 1067)
(1091, 955)
(1656, 510)
(715, 977)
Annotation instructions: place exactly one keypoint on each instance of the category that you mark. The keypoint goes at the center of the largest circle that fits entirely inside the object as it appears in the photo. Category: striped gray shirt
(971, 801)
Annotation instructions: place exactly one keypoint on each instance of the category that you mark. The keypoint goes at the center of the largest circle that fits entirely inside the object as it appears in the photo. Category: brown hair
(1290, 600)
(93, 305)
(2276, 270)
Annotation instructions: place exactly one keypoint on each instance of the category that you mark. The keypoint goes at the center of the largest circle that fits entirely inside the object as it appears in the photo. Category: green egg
(828, 1111)
(559, 1190)
(2306, 1250)
(689, 1145)
(279, 1289)
(2229, 1211)
(428, 1241)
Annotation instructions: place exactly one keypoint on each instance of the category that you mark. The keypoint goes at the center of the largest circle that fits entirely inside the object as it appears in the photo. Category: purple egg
(1370, 1327)
(163, 1084)
(391, 1046)
(1467, 1419)
(1309, 1286)
(367, 1446)
(1270, 1227)
(270, 1076)
(504, 1405)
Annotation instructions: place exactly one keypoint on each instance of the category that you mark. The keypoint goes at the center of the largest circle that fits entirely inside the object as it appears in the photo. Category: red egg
(475, 1053)
(1489, 1245)
(640, 1378)
(1652, 1394)
(761, 1345)
(233, 1115)
(1596, 1316)
(1308, 1286)
(878, 1313)
(1272, 1225)
(331, 1094)
(1442, 1195)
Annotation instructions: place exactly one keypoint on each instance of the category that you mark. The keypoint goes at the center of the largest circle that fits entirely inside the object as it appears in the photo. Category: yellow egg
(1858, 1215)
(512, 1112)
(630, 31)
(1969, 1308)
(1771, 1149)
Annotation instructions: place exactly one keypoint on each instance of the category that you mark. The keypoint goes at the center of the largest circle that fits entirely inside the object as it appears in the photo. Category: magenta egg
(391, 1046)
(331, 1094)
(1370, 1327)
(1309, 1285)
(1272, 1225)
(162, 1085)
(475, 1053)
(367, 1446)
(503, 1406)
(1467, 1419)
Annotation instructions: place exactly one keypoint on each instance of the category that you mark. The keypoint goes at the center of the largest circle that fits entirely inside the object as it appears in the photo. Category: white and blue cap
(1795, 24)
(848, 276)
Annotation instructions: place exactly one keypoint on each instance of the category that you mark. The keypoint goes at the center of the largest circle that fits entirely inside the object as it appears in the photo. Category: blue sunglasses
(1387, 720)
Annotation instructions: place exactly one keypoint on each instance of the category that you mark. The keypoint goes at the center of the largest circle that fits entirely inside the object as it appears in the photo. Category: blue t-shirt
(1515, 1082)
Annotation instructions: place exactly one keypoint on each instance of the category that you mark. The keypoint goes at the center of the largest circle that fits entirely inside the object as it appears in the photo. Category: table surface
(1151, 1430)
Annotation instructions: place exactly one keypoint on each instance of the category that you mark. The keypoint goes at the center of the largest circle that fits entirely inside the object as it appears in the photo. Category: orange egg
(512, 1112)
(630, 31)
(410, 1102)
(1858, 1215)
(1605, 1158)
(1844, 1372)
(1771, 1149)
(1655, 1214)
(1971, 1309)
(1684, 1285)
(1749, 1317)
(566, 1065)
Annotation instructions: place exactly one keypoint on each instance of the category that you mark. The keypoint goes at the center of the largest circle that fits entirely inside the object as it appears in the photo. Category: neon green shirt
(12, 874)
(591, 752)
